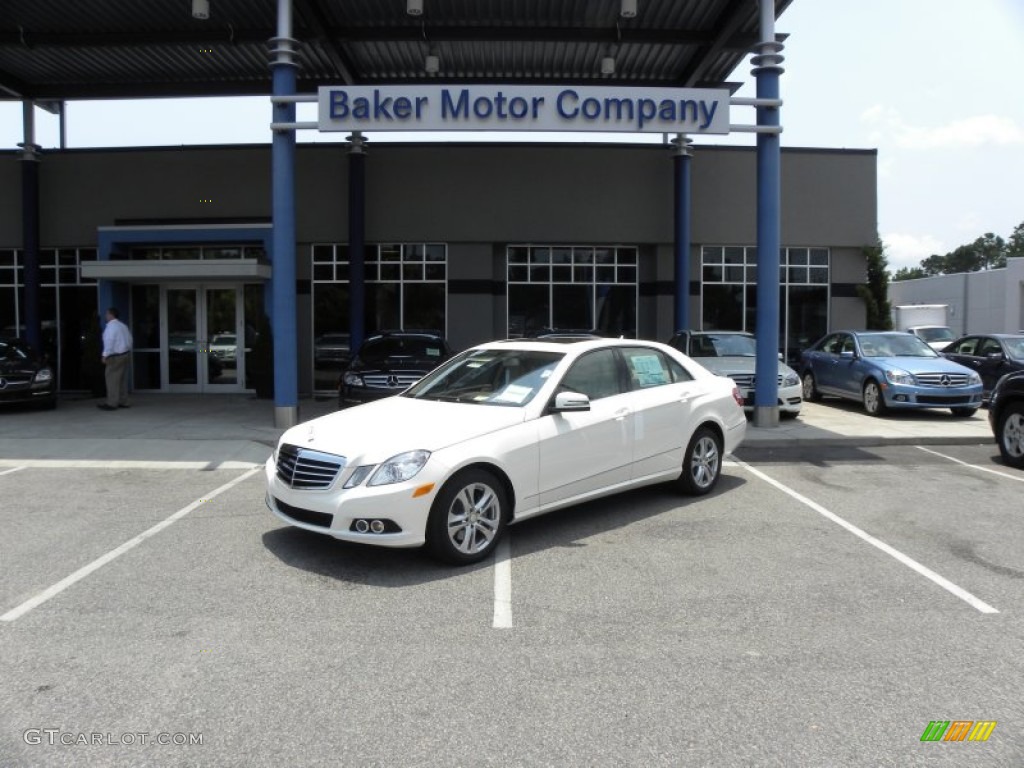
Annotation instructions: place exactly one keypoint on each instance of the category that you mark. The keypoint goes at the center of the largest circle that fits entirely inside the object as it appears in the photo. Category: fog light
(362, 526)
(377, 526)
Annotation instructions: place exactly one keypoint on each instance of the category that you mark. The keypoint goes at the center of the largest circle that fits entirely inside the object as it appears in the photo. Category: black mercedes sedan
(389, 362)
(25, 375)
(1006, 416)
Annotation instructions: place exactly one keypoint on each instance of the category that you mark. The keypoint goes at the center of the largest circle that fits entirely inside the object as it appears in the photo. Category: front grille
(308, 516)
(304, 469)
(944, 399)
(397, 380)
(746, 380)
(941, 379)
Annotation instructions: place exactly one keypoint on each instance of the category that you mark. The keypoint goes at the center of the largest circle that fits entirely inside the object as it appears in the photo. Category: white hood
(379, 430)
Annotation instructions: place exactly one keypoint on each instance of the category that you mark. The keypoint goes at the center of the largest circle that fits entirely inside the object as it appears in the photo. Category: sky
(929, 84)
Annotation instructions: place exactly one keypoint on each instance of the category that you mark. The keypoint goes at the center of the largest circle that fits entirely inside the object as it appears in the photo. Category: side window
(988, 347)
(596, 375)
(647, 367)
(833, 344)
(967, 346)
(848, 345)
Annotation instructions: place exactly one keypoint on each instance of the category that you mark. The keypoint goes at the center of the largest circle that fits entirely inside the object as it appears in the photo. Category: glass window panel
(341, 271)
(518, 254)
(423, 306)
(389, 253)
(435, 252)
(528, 309)
(734, 274)
(6, 257)
(627, 274)
(752, 274)
(583, 255)
(713, 274)
(750, 311)
(798, 274)
(572, 307)
(323, 272)
(435, 271)
(604, 255)
(47, 257)
(341, 253)
(145, 370)
(807, 318)
(142, 254)
(390, 272)
(605, 275)
(518, 274)
(734, 255)
(68, 275)
(330, 333)
(626, 255)
(230, 252)
(412, 271)
(370, 272)
(540, 255)
(561, 255)
(751, 255)
(818, 276)
(540, 274)
(382, 307)
(413, 252)
(798, 256)
(616, 310)
(722, 308)
(80, 344)
(712, 255)
(7, 318)
(323, 253)
(561, 274)
(87, 254)
(180, 254)
(819, 256)
(583, 274)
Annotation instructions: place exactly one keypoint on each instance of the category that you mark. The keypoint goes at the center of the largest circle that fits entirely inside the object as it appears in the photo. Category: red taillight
(737, 396)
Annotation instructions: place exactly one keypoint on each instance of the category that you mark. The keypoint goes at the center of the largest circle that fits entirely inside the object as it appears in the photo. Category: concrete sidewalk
(228, 430)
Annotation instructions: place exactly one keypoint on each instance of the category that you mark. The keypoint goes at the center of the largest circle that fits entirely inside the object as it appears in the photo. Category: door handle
(621, 414)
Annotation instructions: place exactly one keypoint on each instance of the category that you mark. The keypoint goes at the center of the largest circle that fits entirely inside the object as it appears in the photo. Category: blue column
(356, 241)
(683, 154)
(767, 70)
(282, 281)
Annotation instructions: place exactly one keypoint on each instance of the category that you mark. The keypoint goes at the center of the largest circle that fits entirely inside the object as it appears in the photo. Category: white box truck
(930, 322)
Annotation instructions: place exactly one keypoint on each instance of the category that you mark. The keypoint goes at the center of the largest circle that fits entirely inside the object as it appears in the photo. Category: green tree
(875, 292)
(909, 273)
(1015, 245)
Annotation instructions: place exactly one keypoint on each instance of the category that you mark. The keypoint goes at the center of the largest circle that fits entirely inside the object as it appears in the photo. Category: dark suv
(1006, 415)
(388, 363)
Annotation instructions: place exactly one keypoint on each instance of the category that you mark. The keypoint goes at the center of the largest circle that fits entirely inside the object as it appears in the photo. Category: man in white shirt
(117, 347)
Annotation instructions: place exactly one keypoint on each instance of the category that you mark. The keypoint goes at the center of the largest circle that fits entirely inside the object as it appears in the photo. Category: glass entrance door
(202, 327)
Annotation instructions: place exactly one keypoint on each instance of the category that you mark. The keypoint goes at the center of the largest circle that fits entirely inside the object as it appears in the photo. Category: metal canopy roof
(52, 50)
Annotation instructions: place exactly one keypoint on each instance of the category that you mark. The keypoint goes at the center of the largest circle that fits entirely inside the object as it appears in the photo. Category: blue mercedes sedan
(887, 369)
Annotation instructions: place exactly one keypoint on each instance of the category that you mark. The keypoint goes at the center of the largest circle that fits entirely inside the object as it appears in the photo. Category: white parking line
(123, 464)
(503, 584)
(978, 467)
(945, 583)
(9, 471)
(99, 562)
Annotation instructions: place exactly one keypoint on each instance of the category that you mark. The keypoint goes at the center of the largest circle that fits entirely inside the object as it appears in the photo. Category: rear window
(390, 347)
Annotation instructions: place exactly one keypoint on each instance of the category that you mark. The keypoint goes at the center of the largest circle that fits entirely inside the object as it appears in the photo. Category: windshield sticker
(431, 352)
(513, 393)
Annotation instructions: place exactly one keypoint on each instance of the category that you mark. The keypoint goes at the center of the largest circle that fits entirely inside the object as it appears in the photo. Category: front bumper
(333, 511)
(790, 400)
(911, 396)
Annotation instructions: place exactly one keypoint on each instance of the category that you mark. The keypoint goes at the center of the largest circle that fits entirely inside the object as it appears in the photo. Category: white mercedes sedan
(502, 432)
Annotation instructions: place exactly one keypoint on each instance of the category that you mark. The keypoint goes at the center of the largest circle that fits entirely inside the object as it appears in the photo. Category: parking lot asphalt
(234, 431)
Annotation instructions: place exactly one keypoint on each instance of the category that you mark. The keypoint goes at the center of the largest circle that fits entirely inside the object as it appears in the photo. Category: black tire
(1010, 435)
(467, 518)
(702, 463)
(873, 399)
(964, 413)
(810, 388)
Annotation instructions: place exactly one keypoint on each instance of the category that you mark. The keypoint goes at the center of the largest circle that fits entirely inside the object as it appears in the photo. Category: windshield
(724, 345)
(506, 377)
(401, 346)
(894, 345)
(1015, 348)
(935, 334)
(12, 350)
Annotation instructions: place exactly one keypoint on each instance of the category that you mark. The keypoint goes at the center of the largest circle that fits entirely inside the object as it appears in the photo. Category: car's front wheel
(811, 392)
(702, 463)
(1010, 434)
(874, 400)
(467, 517)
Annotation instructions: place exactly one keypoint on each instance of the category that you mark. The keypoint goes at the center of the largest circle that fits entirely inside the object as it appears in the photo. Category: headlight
(790, 379)
(974, 378)
(400, 468)
(44, 375)
(899, 377)
(353, 380)
(358, 476)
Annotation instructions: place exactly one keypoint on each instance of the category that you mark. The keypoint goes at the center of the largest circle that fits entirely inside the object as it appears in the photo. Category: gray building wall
(476, 198)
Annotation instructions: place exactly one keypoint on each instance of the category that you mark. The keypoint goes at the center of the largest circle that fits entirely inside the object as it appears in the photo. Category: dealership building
(208, 249)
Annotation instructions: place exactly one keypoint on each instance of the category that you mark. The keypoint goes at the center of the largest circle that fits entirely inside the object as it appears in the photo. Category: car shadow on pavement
(386, 567)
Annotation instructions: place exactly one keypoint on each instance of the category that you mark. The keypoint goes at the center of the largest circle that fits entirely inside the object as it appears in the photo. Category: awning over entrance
(190, 270)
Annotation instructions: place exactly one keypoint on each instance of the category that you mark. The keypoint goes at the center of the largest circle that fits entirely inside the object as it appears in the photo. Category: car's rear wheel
(874, 400)
(1010, 434)
(467, 517)
(702, 462)
(965, 413)
(810, 388)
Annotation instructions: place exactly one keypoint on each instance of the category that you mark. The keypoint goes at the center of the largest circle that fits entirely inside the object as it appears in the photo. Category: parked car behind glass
(888, 369)
(992, 355)
(734, 354)
(25, 375)
(1006, 416)
(390, 362)
(503, 432)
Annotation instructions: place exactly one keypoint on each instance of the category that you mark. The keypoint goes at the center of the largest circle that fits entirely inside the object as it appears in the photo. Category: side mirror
(995, 356)
(571, 401)
(847, 355)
